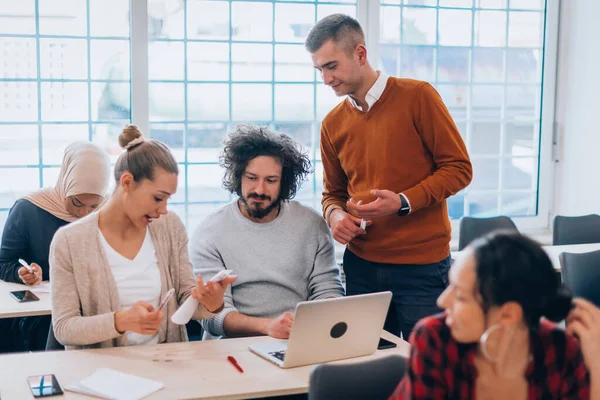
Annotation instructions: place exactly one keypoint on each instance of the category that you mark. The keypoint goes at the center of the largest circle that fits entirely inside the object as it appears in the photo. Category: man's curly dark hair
(249, 141)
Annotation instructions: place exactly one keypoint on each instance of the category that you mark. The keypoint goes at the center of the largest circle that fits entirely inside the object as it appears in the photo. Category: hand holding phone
(24, 296)
(44, 385)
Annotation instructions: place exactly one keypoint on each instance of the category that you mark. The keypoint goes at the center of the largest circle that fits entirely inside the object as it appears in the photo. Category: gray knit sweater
(278, 264)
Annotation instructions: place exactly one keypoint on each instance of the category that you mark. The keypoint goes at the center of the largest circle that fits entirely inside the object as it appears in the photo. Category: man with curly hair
(281, 251)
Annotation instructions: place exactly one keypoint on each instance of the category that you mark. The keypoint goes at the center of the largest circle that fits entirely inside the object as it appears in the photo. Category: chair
(472, 228)
(581, 274)
(52, 344)
(576, 230)
(375, 379)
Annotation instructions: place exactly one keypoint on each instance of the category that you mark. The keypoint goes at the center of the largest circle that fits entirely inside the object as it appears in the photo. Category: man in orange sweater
(391, 155)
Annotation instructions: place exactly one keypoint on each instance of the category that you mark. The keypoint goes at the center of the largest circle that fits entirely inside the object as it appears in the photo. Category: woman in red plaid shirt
(491, 342)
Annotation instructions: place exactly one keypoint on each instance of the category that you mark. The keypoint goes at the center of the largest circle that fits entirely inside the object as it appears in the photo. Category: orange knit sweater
(407, 143)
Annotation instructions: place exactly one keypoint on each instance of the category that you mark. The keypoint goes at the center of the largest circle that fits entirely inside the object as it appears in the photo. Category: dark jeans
(415, 288)
(24, 333)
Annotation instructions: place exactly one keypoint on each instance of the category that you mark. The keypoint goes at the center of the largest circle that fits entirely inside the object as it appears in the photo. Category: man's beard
(257, 212)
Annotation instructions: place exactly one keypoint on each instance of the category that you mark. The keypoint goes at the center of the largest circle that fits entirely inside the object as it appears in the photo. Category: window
(211, 64)
(58, 85)
(486, 59)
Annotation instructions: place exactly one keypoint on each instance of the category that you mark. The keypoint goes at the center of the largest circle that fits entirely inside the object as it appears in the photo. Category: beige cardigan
(84, 292)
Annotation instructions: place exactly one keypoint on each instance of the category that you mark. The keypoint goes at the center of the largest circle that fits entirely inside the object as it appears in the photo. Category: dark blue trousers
(415, 288)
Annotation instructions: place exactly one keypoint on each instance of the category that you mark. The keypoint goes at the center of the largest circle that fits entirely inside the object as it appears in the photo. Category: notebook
(115, 385)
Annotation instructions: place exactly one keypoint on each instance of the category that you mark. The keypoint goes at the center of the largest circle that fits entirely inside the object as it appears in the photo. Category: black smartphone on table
(385, 344)
(44, 385)
(23, 296)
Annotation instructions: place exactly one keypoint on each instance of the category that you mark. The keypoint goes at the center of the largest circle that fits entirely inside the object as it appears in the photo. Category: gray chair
(576, 230)
(52, 344)
(472, 228)
(581, 274)
(373, 380)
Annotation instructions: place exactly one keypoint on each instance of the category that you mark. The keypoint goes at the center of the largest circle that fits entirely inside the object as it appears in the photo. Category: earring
(483, 342)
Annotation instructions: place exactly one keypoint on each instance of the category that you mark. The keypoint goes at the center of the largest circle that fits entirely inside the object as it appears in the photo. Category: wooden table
(554, 251)
(10, 308)
(192, 370)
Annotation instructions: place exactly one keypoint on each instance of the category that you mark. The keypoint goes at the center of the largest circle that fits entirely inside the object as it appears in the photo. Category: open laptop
(330, 329)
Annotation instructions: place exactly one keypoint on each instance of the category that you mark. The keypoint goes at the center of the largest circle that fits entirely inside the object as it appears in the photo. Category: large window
(485, 57)
(65, 75)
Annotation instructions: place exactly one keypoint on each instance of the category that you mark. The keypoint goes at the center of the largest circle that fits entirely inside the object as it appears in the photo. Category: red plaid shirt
(441, 368)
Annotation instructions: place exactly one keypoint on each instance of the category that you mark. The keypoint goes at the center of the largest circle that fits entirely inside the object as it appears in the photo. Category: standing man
(391, 155)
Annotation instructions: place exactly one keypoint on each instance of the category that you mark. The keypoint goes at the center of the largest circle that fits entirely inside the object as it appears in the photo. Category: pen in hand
(235, 363)
(24, 263)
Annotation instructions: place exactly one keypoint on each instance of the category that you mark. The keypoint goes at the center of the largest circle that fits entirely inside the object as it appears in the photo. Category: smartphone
(44, 385)
(23, 296)
(385, 344)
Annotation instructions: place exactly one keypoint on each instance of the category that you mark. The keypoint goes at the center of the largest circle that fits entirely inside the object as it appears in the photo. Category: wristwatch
(404, 207)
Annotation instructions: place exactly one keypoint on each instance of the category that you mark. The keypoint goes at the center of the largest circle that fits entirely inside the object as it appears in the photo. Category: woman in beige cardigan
(110, 270)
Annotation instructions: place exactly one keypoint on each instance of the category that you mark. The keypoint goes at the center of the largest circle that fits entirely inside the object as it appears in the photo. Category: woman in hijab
(31, 224)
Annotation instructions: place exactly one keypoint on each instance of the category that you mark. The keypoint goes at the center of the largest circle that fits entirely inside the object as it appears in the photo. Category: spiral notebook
(115, 385)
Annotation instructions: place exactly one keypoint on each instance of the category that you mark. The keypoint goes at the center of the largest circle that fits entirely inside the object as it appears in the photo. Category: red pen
(235, 363)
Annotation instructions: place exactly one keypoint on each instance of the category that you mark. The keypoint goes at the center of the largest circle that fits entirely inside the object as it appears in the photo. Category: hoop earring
(483, 342)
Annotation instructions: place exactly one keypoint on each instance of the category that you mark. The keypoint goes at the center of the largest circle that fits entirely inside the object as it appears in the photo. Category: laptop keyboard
(280, 355)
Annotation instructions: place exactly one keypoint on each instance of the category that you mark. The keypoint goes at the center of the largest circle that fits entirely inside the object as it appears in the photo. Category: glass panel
(390, 25)
(63, 58)
(165, 61)
(109, 59)
(19, 145)
(166, 19)
(293, 21)
(65, 17)
(326, 100)
(110, 100)
(328, 9)
(490, 28)
(417, 63)
(524, 65)
(521, 139)
(208, 20)
(244, 110)
(205, 183)
(527, 4)
(19, 58)
(208, 61)
(55, 138)
(293, 64)
(482, 205)
(488, 65)
(488, 172)
(518, 173)
(208, 102)
(107, 136)
(205, 141)
(252, 21)
(456, 99)
(171, 135)
(18, 17)
(487, 101)
(525, 29)
(418, 26)
(301, 132)
(523, 101)
(454, 27)
(485, 138)
(294, 102)
(109, 18)
(15, 183)
(491, 3)
(453, 65)
(519, 204)
(50, 176)
(166, 101)
(179, 196)
(252, 62)
(197, 213)
(64, 101)
(456, 3)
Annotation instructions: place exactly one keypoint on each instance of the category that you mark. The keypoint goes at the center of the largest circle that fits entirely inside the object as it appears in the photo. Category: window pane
(293, 64)
(19, 101)
(15, 183)
(111, 101)
(64, 17)
(491, 3)
(17, 17)
(55, 138)
(63, 58)
(524, 65)
(390, 25)
(488, 65)
(521, 139)
(171, 135)
(482, 205)
(165, 61)
(487, 101)
(527, 4)
(519, 204)
(166, 101)
(454, 27)
(328, 9)
(197, 213)
(245, 110)
(518, 173)
(485, 138)
(252, 21)
(490, 28)
(109, 18)
(525, 29)
(19, 58)
(418, 26)
(64, 101)
(301, 132)
(456, 3)
(488, 172)
(207, 61)
(19, 145)
(294, 102)
(417, 62)
(252, 62)
(208, 102)
(205, 183)
(109, 59)
(293, 21)
(453, 65)
(205, 141)
(166, 19)
(208, 19)
(523, 101)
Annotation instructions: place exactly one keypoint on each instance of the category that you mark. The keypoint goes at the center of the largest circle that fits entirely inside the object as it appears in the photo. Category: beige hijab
(85, 169)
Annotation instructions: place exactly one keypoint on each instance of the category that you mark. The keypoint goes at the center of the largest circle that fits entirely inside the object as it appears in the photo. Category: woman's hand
(584, 321)
(141, 318)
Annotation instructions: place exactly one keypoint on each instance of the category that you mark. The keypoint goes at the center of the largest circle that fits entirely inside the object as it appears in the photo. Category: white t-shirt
(137, 280)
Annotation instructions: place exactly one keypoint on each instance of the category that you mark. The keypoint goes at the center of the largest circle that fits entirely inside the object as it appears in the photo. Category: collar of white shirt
(374, 93)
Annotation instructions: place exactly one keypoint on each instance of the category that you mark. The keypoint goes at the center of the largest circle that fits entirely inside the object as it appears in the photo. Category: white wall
(577, 188)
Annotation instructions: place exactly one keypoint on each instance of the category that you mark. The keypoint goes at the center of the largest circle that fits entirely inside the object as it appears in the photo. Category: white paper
(115, 385)
(183, 315)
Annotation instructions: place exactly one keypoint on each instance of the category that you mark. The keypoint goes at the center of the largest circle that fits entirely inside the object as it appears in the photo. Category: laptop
(329, 330)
